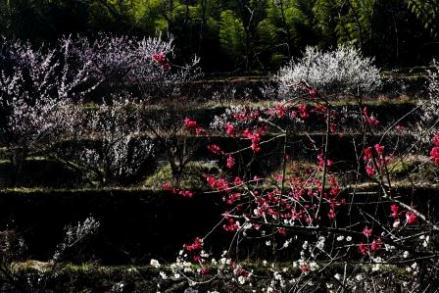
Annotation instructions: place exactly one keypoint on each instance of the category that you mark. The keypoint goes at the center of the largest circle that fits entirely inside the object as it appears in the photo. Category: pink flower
(230, 162)
(410, 218)
(367, 232)
(215, 149)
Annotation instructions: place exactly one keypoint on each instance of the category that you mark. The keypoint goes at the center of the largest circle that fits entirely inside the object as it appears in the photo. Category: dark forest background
(241, 35)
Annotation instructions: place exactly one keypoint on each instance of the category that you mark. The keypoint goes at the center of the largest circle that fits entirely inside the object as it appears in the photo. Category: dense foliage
(244, 34)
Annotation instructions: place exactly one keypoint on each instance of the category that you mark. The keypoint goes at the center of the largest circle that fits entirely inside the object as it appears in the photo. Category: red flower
(190, 123)
(186, 193)
(167, 186)
(321, 162)
(304, 267)
(363, 249)
(237, 181)
(231, 225)
(410, 218)
(376, 245)
(370, 171)
(196, 245)
(282, 231)
(199, 131)
(371, 120)
(367, 232)
(230, 162)
(280, 110)
(204, 271)
(215, 149)
(303, 111)
(219, 184)
(233, 198)
(255, 147)
(379, 149)
(312, 92)
(255, 138)
(367, 153)
(230, 129)
(435, 139)
(159, 57)
(394, 208)
(332, 214)
(434, 155)
(334, 187)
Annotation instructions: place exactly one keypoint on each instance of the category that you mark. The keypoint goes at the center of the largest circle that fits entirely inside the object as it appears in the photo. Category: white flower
(277, 276)
(340, 238)
(241, 280)
(359, 277)
(340, 71)
(154, 263)
(337, 276)
(305, 245)
(405, 254)
(349, 238)
(376, 267)
(163, 275)
(313, 266)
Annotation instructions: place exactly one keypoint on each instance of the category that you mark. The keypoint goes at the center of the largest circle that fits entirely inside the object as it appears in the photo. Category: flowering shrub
(37, 88)
(311, 218)
(342, 71)
(12, 249)
(117, 151)
(430, 106)
(123, 61)
(43, 91)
